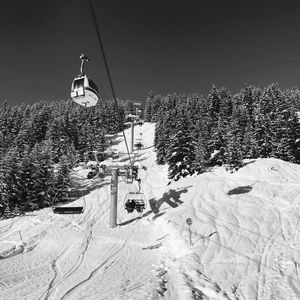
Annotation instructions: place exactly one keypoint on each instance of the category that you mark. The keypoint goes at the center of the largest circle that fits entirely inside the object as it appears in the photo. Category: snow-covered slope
(244, 234)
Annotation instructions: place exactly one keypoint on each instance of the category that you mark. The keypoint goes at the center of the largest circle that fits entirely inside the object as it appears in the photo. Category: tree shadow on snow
(77, 193)
(240, 190)
(80, 192)
(172, 198)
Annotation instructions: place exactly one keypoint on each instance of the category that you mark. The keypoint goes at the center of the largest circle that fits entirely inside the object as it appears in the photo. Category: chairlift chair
(91, 174)
(115, 156)
(138, 145)
(83, 90)
(130, 118)
(67, 209)
(135, 201)
(139, 142)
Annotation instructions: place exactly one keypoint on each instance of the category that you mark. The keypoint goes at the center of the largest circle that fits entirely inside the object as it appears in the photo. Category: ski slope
(244, 237)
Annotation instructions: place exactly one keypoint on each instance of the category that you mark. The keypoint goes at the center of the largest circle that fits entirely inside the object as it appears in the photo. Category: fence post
(189, 222)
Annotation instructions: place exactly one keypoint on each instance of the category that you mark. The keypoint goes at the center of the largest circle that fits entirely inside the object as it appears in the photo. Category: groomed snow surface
(244, 237)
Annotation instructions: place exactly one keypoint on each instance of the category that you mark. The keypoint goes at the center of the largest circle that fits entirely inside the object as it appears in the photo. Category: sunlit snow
(244, 237)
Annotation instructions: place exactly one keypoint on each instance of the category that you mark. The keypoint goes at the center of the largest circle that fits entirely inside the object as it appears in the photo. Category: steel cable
(108, 72)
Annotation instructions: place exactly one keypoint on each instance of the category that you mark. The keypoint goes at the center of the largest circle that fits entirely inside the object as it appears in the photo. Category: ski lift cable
(108, 72)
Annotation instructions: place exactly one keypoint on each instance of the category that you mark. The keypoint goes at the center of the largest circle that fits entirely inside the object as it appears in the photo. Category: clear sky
(160, 45)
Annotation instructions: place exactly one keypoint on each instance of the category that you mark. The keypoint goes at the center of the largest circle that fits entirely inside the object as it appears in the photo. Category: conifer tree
(156, 107)
(7, 212)
(43, 175)
(181, 153)
(202, 156)
(233, 152)
(249, 147)
(163, 130)
(148, 107)
(10, 178)
(214, 105)
(59, 138)
(62, 179)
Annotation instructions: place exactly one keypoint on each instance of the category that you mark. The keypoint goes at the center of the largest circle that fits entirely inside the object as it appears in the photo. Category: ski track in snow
(71, 252)
(245, 241)
(53, 287)
(105, 263)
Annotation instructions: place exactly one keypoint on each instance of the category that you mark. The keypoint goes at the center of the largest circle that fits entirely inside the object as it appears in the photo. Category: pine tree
(163, 131)
(181, 153)
(214, 101)
(26, 181)
(148, 107)
(159, 143)
(25, 139)
(233, 152)
(43, 176)
(10, 177)
(249, 147)
(7, 212)
(62, 179)
(156, 107)
(263, 136)
(202, 156)
(59, 138)
(40, 122)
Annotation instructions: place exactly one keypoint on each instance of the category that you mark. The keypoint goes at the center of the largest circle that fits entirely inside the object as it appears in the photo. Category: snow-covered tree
(233, 152)
(148, 107)
(181, 153)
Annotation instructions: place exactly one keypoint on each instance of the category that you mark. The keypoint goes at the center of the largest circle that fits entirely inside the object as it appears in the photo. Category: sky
(160, 46)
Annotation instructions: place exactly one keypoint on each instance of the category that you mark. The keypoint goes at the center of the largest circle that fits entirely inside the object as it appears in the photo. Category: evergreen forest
(194, 133)
(41, 143)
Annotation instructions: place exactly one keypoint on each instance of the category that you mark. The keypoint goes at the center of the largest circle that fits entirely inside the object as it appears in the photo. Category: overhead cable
(108, 72)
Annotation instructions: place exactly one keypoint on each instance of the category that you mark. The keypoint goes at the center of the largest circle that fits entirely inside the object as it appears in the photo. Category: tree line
(41, 143)
(194, 133)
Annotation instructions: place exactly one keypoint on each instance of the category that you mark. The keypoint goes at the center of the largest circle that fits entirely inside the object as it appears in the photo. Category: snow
(244, 237)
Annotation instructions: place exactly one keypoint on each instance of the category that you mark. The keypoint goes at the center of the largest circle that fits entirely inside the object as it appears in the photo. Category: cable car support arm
(83, 59)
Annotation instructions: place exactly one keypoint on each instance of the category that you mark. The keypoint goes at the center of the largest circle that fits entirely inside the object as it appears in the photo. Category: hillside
(245, 242)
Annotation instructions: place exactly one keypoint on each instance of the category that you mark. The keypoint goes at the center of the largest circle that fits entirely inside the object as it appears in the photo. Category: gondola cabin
(84, 91)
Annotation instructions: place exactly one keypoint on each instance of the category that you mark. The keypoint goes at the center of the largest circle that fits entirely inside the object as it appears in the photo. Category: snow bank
(244, 230)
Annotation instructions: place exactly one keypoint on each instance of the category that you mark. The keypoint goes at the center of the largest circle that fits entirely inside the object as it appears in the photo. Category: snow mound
(244, 232)
(9, 249)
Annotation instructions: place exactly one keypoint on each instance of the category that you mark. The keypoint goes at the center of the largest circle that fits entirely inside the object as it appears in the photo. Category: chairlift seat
(135, 200)
(68, 209)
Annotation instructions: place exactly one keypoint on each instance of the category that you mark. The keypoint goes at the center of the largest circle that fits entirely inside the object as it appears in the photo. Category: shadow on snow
(172, 198)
